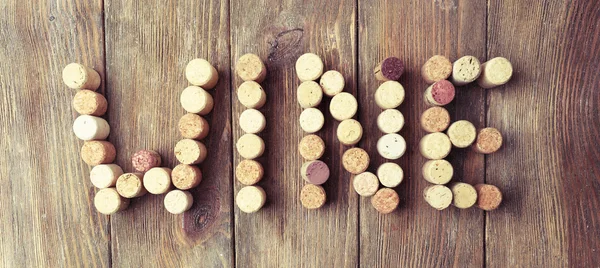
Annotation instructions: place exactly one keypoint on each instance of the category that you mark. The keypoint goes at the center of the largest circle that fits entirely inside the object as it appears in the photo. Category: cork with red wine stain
(440, 93)
(315, 172)
(144, 160)
(389, 69)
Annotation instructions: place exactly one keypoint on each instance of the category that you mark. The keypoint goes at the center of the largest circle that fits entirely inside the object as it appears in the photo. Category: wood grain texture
(47, 214)
(548, 168)
(283, 233)
(148, 46)
(416, 234)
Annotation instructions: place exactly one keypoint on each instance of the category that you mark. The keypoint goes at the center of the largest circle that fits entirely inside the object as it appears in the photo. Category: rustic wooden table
(548, 168)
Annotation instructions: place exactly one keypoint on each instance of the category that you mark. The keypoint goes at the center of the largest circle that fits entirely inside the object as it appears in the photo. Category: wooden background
(549, 167)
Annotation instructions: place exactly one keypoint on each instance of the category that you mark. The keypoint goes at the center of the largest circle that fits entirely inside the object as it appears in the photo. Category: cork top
(107, 201)
(389, 95)
(311, 120)
(355, 160)
(309, 94)
(332, 83)
(186, 176)
(157, 180)
(392, 68)
(442, 92)
(177, 201)
(385, 200)
(312, 196)
(436, 68)
(489, 196)
(77, 76)
(391, 146)
(195, 99)
(462, 133)
(252, 121)
(309, 66)
(250, 199)
(249, 172)
(465, 70)
(250, 146)
(489, 140)
(498, 70)
(129, 185)
(189, 151)
(90, 102)
(251, 95)
(98, 152)
(435, 119)
(250, 68)
(311, 147)
(315, 172)
(343, 106)
(144, 160)
(200, 72)
(390, 174)
(365, 184)
(435, 145)
(349, 132)
(438, 196)
(193, 126)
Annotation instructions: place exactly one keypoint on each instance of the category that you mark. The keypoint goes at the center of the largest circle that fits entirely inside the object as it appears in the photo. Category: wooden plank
(548, 168)
(283, 233)
(48, 217)
(416, 234)
(148, 46)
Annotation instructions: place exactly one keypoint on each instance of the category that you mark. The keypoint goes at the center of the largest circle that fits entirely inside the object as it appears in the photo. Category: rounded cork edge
(489, 197)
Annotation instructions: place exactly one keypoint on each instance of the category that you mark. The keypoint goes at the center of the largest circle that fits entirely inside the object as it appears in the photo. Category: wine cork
(462, 133)
(438, 196)
(489, 140)
(309, 67)
(389, 95)
(315, 172)
(106, 175)
(436, 68)
(309, 94)
(332, 83)
(465, 70)
(251, 68)
(391, 146)
(196, 100)
(390, 121)
(390, 69)
(311, 147)
(312, 196)
(90, 103)
(88, 127)
(190, 152)
(77, 76)
(249, 172)
(349, 132)
(365, 184)
(252, 121)
(435, 145)
(177, 201)
(186, 177)
(108, 201)
(250, 199)
(385, 200)
(158, 180)
(437, 171)
(355, 160)
(435, 119)
(311, 120)
(250, 146)
(199, 72)
(193, 126)
(251, 95)
(489, 196)
(390, 174)
(495, 72)
(343, 106)
(95, 153)
(439, 94)
(130, 185)
(464, 195)
(144, 160)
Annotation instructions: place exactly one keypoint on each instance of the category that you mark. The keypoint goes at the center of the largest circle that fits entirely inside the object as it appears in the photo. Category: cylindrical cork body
(199, 72)
(391, 146)
(312, 196)
(158, 180)
(251, 68)
(251, 95)
(355, 160)
(464, 195)
(349, 132)
(389, 95)
(365, 184)
(465, 70)
(144, 160)
(88, 127)
(177, 201)
(462, 133)
(439, 94)
(489, 140)
(90, 103)
(311, 147)
(250, 199)
(435, 145)
(95, 153)
(309, 67)
(332, 83)
(108, 201)
(438, 196)
(495, 72)
(435, 119)
(190, 152)
(130, 185)
(437, 171)
(186, 177)
(311, 120)
(389, 69)
(385, 200)
(196, 100)
(193, 126)
(390, 174)
(77, 76)
(310, 94)
(343, 106)
(390, 121)
(250, 146)
(436, 68)
(252, 121)
(249, 172)
(315, 172)
(489, 196)
(106, 175)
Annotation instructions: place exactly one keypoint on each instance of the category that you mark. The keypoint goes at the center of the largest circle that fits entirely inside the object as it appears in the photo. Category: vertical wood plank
(283, 233)
(149, 44)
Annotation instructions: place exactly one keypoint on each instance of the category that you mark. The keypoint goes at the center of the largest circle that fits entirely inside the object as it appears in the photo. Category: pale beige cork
(437, 171)
(391, 146)
(495, 72)
(332, 83)
(435, 146)
(158, 180)
(489, 197)
(89, 102)
(390, 174)
(252, 121)
(251, 95)
(199, 72)
(108, 201)
(465, 70)
(95, 153)
(436, 68)
(349, 132)
(343, 106)
(464, 195)
(88, 127)
(249, 172)
(312, 196)
(355, 160)
(435, 119)
(390, 121)
(105, 175)
(250, 146)
(190, 152)
(251, 68)
(77, 76)
(389, 95)
(438, 196)
(311, 120)
(177, 201)
(186, 177)
(462, 133)
(196, 100)
(385, 200)
(311, 147)
(489, 140)
(193, 126)
(309, 94)
(250, 199)
(309, 67)
(130, 185)
(365, 184)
